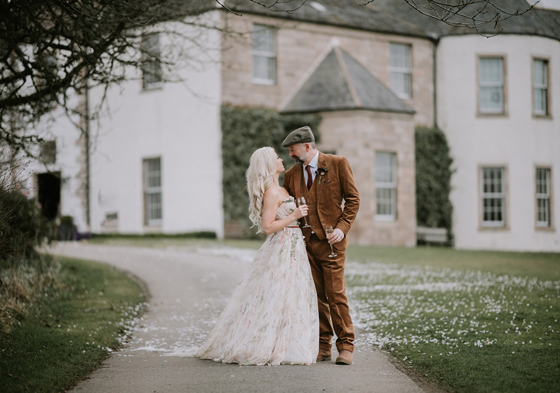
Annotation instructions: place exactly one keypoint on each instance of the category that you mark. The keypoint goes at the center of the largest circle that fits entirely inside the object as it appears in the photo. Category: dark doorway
(49, 193)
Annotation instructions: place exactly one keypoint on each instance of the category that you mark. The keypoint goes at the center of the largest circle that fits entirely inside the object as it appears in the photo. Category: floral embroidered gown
(272, 317)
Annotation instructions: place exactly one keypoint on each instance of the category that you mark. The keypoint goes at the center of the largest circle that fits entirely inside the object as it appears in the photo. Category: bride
(272, 317)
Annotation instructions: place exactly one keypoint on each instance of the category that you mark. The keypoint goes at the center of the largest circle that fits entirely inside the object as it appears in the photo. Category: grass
(471, 321)
(71, 329)
(545, 266)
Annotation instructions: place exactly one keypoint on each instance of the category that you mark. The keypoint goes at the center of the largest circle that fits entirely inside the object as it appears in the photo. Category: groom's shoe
(344, 357)
(324, 356)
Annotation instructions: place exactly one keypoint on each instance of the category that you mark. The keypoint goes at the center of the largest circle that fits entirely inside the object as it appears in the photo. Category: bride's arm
(270, 207)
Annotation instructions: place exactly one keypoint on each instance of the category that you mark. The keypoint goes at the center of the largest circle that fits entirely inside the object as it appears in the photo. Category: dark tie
(309, 178)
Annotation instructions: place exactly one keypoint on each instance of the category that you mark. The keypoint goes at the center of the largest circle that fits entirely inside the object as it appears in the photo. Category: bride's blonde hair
(260, 176)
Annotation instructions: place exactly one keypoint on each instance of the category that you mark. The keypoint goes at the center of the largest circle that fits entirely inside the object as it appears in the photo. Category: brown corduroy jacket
(326, 196)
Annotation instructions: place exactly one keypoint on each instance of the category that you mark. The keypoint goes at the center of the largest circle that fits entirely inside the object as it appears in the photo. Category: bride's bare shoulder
(274, 194)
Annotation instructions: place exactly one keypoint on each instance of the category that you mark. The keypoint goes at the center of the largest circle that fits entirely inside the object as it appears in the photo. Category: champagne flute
(301, 201)
(329, 231)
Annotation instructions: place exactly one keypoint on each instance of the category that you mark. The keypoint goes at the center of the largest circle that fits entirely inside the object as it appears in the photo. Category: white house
(155, 156)
(154, 160)
(499, 104)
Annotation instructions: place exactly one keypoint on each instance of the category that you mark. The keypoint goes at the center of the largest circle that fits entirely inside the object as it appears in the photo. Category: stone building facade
(355, 132)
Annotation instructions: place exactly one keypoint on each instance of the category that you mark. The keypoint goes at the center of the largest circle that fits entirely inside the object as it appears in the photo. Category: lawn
(471, 321)
(71, 330)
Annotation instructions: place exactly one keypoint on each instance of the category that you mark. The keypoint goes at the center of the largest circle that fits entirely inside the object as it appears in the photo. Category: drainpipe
(87, 131)
(435, 42)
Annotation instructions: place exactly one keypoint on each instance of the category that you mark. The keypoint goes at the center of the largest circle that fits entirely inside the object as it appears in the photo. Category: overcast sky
(554, 4)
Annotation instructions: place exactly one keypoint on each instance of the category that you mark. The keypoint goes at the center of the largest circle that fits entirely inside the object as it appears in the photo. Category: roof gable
(339, 82)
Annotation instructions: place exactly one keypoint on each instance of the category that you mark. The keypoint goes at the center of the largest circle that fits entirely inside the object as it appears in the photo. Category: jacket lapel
(322, 163)
(301, 188)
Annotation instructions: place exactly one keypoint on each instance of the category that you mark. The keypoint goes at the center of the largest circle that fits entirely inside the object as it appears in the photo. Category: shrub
(22, 228)
(244, 130)
(433, 180)
(25, 273)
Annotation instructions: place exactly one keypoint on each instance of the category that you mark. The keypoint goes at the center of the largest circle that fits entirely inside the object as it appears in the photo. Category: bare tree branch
(49, 47)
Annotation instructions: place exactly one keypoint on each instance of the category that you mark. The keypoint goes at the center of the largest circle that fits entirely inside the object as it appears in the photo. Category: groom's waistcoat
(326, 196)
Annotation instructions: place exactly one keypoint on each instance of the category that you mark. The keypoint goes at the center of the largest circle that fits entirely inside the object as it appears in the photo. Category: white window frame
(404, 72)
(539, 87)
(544, 197)
(491, 84)
(386, 185)
(268, 55)
(493, 196)
(152, 76)
(152, 190)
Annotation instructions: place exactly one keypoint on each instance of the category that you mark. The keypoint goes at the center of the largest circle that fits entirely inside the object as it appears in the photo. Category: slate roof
(340, 83)
(397, 17)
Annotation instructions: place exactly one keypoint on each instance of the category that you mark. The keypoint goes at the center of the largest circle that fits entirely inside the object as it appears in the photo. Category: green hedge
(183, 235)
(244, 130)
(433, 180)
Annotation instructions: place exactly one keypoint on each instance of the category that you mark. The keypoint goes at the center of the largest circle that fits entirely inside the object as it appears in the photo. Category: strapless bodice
(286, 208)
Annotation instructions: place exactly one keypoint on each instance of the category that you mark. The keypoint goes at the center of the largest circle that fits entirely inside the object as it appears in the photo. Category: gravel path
(189, 288)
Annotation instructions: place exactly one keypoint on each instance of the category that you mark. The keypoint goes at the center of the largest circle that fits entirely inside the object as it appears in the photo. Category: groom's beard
(298, 160)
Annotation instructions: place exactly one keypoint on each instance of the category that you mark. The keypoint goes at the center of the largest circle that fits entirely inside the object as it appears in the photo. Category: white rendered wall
(179, 122)
(517, 140)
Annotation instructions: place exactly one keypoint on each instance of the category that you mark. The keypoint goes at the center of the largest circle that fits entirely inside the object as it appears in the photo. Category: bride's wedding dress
(272, 317)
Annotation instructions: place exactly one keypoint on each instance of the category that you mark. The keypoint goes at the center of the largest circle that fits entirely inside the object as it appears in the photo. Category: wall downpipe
(435, 41)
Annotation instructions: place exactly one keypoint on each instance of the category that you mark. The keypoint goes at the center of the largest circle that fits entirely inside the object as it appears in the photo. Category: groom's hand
(336, 236)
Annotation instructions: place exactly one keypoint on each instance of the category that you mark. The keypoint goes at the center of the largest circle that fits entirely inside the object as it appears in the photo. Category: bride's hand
(300, 212)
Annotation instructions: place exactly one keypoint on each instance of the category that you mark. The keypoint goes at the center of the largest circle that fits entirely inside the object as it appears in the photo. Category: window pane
(491, 70)
(152, 191)
(47, 153)
(386, 185)
(384, 163)
(151, 60)
(401, 56)
(539, 101)
(401, 69)
(264, 39)
(539, 72)
(385, 201)
(491, 99)
(493, 196)
(264, 68)
(542, 182)
(264, 54)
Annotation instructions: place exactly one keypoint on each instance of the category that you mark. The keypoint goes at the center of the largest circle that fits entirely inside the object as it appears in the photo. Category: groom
(325, 181)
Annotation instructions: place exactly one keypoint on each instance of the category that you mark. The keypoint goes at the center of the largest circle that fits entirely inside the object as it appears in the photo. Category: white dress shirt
(313, 165)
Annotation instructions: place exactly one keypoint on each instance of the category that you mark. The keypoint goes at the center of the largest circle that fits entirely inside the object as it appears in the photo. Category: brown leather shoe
(324, 356)
(344, 357)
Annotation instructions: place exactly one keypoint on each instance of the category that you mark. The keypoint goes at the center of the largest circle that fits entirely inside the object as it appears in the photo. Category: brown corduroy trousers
(328, 274)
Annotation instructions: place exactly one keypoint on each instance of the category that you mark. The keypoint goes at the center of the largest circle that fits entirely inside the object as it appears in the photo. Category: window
(386, 186)
(493, 197)
(540, 87)
(491, 84)
(152, 191)
(47, 153)
(543, 197)
(401, 69)
(264, 55)
(151, 65)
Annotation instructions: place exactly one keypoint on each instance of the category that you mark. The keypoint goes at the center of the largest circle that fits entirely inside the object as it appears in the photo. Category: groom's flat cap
(301, 135)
